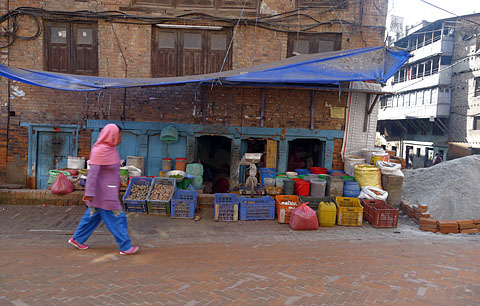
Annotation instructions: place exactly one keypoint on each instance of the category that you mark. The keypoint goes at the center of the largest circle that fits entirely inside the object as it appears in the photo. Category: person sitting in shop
(221, 181)
(437, 159)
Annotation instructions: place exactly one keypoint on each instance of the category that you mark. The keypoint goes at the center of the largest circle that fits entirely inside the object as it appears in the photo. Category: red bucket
(318, 170)
(302, 187)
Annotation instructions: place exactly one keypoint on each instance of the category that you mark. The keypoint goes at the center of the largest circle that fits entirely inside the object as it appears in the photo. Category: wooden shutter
(57, 37)
(217, 49)
(84, 49)
(165, 53)
(192, 43)
(271, 154)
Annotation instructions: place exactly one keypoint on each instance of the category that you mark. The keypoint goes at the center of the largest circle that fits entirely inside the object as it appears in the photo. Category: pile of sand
(450, 189)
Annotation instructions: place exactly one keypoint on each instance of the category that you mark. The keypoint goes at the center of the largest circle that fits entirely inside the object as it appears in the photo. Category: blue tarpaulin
(365, 64)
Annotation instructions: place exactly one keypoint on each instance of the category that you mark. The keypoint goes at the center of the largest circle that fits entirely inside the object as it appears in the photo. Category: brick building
(39, 126)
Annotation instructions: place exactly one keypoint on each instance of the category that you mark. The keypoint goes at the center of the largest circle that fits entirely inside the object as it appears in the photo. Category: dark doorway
(408, 156)
(214, 153)
(305, 153)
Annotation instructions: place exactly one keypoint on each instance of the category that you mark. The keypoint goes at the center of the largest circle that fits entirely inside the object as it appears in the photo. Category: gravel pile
(451, 189)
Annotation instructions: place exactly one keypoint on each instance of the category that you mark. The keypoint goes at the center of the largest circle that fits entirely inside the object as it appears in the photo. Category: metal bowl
(176, 172)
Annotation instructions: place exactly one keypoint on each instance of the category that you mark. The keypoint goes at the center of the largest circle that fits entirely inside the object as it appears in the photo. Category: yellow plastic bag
(368, 175)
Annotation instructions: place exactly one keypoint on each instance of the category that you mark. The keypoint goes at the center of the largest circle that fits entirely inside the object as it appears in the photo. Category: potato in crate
(183, 204)
(226, 207)
(349, 211)
(262, 208)
(161, 191)
(284, 205)
(379, 214)
(135, 197)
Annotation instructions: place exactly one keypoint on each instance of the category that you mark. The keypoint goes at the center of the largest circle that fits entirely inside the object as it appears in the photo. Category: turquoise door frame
(34, 130)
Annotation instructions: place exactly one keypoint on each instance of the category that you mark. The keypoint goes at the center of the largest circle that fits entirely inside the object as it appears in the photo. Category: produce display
(176, 176)
(161, 192)
(138, 193)
(290, 203)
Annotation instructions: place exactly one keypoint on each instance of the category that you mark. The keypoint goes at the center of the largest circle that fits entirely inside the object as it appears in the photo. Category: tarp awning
(365, 64)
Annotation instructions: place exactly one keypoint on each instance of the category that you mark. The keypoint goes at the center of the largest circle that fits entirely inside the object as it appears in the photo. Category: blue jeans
(115, 220)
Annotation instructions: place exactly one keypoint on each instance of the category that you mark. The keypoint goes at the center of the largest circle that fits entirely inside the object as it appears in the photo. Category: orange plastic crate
(379, 214)
(284, 211)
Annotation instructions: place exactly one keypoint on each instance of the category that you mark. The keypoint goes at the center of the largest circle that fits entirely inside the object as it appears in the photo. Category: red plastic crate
(379, 214)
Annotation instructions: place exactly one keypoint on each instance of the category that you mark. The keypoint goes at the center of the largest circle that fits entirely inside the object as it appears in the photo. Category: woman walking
(102, 193)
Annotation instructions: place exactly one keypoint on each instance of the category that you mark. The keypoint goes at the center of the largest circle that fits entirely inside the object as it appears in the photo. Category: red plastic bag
(62, 185)
(303, 218)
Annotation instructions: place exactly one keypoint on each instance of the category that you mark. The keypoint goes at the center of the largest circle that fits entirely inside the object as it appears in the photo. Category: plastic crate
(183, 204)
(226, 207)
(379, 214)
(182, 208)
(257, 208)
(284, 211)
(349, 211)
(138, 206)
(160, 207)
(313, 202)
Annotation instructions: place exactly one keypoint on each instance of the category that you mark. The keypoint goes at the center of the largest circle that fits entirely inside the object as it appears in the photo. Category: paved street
(183, 262)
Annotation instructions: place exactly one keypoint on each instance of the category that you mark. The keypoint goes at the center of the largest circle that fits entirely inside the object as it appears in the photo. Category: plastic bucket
(311, 177)
(291, 174)
(351, 189)
(303, 171)
(302, 187)
(166, 164)
(381, 156)
(317, 188)
(331, 172)
(180, 163)
(268, 182)
(367, 154)
(318, 170)
(279, 181)
(288, 187)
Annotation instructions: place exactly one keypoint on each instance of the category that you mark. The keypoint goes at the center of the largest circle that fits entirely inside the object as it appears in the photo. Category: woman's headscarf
(104, 151)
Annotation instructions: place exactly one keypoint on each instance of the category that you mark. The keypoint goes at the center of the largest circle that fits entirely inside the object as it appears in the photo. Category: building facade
(40, 127)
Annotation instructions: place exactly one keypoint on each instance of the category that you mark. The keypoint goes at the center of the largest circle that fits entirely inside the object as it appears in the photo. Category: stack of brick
(415, 211)
(393, 185)
(448, 227)
(429, 225)
(467, 226)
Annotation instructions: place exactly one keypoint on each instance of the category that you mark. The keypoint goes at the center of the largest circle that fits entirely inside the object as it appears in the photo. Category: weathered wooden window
(178, 52)
(307, 43)
(71, 48)
(325, 3)
(476, 123)
(214, 4)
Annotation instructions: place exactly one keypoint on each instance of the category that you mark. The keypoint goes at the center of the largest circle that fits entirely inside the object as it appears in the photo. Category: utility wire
(442, 9)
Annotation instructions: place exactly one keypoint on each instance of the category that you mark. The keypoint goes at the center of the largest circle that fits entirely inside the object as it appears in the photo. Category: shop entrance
(305, 153)
(214, 153)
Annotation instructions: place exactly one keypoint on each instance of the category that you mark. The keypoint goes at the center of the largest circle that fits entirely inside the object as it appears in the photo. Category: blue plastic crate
(226, 207)
(267, 173)
(139, 206)
(225, 198)
(188, 195)
(257, 208)
(180, 208)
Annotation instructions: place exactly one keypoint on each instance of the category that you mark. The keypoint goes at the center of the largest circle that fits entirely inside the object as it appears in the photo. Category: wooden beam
(365, 119)
(373, 104)
(262, 109)
(401, 125)
(440, 125)
(312, 109)
(204, 104)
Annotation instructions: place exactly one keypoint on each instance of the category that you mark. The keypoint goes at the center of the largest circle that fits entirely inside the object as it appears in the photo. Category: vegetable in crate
(138, 193)
(303, 218)
(161, 192)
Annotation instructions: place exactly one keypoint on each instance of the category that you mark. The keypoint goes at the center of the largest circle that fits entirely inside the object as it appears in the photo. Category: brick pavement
(183, 262)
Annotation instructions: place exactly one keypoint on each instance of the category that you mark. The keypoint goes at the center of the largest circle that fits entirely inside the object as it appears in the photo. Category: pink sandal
(130, 251)
(77, 244)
